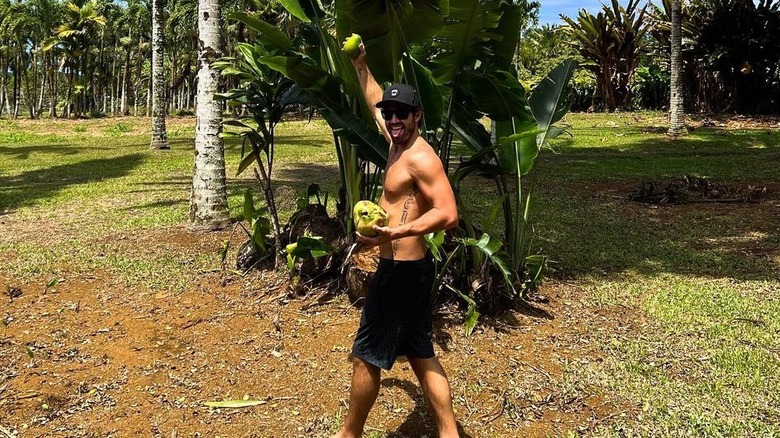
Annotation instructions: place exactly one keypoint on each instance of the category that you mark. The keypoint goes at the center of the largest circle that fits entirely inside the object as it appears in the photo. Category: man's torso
(402, 200)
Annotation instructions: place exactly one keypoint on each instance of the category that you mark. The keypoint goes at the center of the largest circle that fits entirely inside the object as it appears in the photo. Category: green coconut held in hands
(351, 46)
(366, 214)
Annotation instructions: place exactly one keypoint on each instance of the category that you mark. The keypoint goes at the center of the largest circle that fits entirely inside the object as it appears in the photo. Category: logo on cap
(394, 92)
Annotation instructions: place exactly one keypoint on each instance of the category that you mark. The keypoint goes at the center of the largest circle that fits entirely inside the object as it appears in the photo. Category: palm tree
(676, 110)
(72, 37)
(611, 42)
(49, 13)
(27, 24)
(208, 200)
(159, 134)
(136, 25)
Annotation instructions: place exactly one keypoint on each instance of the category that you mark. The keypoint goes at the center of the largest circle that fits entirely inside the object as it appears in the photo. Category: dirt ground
(96, 357)
(92, 357)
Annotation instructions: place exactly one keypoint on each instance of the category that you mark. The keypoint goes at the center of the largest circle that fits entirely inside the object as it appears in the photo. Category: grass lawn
(677, 306)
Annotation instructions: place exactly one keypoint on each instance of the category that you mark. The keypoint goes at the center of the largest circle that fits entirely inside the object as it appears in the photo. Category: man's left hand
(383, 235)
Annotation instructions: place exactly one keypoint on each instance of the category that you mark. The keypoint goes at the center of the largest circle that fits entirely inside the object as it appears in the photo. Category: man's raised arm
(371, 90)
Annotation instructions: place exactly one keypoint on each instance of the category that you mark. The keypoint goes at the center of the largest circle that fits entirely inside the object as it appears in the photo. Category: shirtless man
(397, 318)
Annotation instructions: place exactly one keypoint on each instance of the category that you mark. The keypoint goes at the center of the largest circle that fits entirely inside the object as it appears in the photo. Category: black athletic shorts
(396, 319)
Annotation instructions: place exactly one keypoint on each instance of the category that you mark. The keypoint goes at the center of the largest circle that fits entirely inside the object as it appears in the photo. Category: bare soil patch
(752, 227)
(730, 121)
(94, 357)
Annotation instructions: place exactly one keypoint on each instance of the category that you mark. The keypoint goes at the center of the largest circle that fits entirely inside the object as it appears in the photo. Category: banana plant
(264, 94)
(460, 62)
(494, 255)
(330, 81)
(511, 156)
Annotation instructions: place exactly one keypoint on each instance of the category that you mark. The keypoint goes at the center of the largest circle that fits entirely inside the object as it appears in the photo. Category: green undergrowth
(694, 347)
(703, 361)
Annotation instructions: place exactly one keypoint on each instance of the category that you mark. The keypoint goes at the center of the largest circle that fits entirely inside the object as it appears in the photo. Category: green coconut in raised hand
(351, 46)
(366, 214)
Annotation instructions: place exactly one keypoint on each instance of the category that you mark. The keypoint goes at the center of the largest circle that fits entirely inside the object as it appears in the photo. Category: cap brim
(383, 103)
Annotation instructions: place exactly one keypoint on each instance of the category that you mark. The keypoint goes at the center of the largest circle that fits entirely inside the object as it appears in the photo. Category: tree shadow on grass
(157, 204)
(29, 187)
(24, 152)
(419, 421)
(303, 174)
(588, 224)
(281, 142)
(714, 153)
(706, 241)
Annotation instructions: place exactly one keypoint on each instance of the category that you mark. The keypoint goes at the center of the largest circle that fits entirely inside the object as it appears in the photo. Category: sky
(548, 14)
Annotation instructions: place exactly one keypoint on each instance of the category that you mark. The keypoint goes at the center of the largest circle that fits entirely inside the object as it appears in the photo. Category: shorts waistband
(402, 263)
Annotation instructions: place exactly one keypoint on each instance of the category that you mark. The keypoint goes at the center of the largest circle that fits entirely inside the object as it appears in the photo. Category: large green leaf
(246, 161)
(434, 242)
(261, 227)
(517, 140)
(462, 40)
(342, 23)
(423, 20)
(472, 315)
(430, 94)
(308, 75)
(294, 95)
(340, 65)
(388, 28)
(550, 99)
(271, 37)
(294, 8)
(491, 247)
(509, 29)
(467, 128)
(249, 206)
(497, 94)
(482, 163)
(369, 143)
(309, 246)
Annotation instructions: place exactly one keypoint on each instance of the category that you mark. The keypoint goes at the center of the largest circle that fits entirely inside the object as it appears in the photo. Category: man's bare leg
(362, 395)
(437, 390)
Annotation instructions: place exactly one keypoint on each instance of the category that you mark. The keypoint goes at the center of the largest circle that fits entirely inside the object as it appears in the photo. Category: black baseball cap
(400, 93)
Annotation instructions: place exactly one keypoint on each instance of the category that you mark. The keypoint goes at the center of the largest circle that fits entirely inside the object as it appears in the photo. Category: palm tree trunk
(208, 199)
(137, 81)
(159, 133)
(148, 98)
(676, 109)
(44, 76)
(17, 88)
(66, 112)
(124, 109)
(3, 83)
(53, 89)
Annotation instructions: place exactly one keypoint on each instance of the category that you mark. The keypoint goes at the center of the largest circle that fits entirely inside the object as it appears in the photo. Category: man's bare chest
(398, 182)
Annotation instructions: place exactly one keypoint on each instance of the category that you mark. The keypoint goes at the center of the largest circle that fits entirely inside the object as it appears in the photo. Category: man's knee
(360, 364)
(426, 364)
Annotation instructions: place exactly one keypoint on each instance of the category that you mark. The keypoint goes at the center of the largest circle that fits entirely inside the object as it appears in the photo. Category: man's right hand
(360, 60)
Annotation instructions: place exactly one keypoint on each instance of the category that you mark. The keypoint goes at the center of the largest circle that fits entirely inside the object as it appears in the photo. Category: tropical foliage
(462, 63)
(264, 94)
(611, 43)
(730, 53)
(92, 57)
